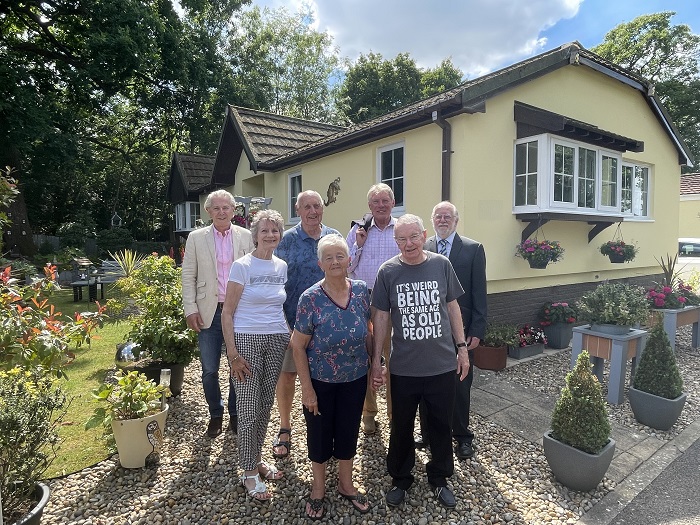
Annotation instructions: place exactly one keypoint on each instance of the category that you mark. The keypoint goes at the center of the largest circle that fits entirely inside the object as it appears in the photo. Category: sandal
(357, 501)
(315, 505)
(271, 473)
(279, 443)
(259, 491)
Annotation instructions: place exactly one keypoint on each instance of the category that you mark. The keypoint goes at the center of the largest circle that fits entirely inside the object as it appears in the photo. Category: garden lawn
(80, 448)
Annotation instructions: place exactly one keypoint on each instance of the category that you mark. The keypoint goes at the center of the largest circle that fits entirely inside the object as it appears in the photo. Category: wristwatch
(461, 345)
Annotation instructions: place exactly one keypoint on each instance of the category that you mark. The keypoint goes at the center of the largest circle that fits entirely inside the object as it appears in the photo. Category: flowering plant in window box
(672, 297)
(560, 312)
(539, 253)
(619, 250)
(530, 335)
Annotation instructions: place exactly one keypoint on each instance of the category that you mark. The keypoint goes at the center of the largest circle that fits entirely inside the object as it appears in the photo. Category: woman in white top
(257, 336)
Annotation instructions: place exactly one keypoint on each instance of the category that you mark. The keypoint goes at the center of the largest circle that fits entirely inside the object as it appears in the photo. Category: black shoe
(233, 424)
(395, 496)
(214, 428)
(464, 450)
(421, 443)
(444, 497)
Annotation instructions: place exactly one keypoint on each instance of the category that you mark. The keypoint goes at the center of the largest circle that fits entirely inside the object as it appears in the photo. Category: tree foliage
(374, 86)
(667, 55)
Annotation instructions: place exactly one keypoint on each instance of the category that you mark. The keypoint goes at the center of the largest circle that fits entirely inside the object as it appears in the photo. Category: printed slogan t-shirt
(417, 296)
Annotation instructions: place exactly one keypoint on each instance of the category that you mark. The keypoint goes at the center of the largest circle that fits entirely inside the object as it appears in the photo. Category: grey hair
(445, 203)
(380, 188)
(223, 194)
(332, 239)
(409, 218)
(265, 215)
(308, 193)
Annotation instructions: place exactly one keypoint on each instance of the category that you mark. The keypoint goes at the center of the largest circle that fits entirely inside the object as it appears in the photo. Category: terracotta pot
(490, 357)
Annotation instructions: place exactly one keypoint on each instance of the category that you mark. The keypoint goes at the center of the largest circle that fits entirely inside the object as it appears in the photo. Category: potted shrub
(529, 341)
(133, 412)
(557, 320)
(539, 253)
(619, 251)
(656, 395)
(578, 447)
(160, 333)
(614, 308)
(492, 352)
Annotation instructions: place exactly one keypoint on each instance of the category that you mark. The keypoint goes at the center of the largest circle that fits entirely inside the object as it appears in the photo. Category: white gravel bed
(507, 481)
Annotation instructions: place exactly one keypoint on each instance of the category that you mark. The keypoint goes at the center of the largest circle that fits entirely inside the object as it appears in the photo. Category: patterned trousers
(255, 395)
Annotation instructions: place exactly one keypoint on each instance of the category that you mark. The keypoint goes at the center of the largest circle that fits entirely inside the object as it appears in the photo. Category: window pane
(526, 174)
(626, 199)
(608, 196)
(640, 193)
(294, 190)
(398, 191)
(532, 189)
(520, 158)
(563, 173)
(392, 172)
(520, 193)
(387, 166)
(532, 157)
(586, 178)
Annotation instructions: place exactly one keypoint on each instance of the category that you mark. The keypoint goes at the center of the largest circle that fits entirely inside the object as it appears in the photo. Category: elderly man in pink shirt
(209, 254)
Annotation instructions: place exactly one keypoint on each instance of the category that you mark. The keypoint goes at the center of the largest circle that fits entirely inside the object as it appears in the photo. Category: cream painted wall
(482, 180)
(689, 218)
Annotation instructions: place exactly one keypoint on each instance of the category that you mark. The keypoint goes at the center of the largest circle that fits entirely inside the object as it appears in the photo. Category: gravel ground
(507, 481)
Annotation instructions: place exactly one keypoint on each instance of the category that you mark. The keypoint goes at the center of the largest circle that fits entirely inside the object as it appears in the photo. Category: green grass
(80, 448)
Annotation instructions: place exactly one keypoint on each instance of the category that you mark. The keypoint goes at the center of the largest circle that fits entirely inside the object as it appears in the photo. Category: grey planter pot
(42, 494)
(611, 329)
(559, 335)
(574, 468)
(521, 352)
(654, 411)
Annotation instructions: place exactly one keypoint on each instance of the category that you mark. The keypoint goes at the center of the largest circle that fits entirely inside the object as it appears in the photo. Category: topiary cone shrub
(657, 372)
(580, 417)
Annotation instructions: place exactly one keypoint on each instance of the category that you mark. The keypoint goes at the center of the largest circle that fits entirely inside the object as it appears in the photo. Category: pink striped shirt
(224, 259)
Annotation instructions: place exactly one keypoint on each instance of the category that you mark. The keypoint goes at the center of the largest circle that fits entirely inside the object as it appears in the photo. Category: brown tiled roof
(269, 135)
(690, 184)
(196, 170)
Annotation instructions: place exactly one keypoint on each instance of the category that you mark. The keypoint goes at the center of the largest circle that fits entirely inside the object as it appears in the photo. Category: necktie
(443, 247)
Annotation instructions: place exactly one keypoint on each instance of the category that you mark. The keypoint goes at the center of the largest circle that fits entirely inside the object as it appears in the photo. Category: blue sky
(479, 35)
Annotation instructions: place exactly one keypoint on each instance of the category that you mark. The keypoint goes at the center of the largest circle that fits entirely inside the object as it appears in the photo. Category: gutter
(446, 176)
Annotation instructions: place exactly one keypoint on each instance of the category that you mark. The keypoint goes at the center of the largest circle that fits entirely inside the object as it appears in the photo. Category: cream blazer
(200, 290)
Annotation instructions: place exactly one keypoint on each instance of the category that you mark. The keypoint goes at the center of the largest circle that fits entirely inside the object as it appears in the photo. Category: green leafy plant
(559, 312)
(31, 408)
(580, 418)
(657, 372)
(159, 326)
(530, 335)
(539, 251)
(619, 247)
(614, 303)
(127, 260)
(133, 396)
(500, 334)
(668, 268)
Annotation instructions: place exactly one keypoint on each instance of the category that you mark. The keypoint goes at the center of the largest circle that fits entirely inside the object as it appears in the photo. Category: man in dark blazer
(469, 261)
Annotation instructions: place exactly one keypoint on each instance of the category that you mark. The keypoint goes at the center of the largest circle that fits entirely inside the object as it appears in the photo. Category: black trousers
(438, 394)
(460, 415)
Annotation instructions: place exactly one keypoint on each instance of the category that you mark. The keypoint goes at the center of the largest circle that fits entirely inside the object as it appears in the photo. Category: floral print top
(336, 351)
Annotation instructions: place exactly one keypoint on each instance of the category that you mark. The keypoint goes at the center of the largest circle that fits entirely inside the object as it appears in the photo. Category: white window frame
(646, 200)
(292, 217)
(547, 143)
(185, 215)
(390, 147)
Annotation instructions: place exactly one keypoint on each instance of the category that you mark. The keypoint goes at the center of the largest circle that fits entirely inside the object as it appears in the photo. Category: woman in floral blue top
(330, 352)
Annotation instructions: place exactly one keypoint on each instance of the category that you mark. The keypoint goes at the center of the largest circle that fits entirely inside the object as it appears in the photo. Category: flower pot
(616, 258)
(490, 357)
(139, 440)
(521, 352)
(575, 468)
(611, 329)
(559, 335)
(537, 265)
(41, 495)
(655, 411)
(152, 371)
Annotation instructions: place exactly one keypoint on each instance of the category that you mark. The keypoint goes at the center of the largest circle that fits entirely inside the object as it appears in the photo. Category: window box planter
(674, 319)
(521, 352)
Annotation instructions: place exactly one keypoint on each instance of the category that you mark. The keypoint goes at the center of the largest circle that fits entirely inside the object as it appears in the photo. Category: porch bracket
(597, 228)
(532, 225)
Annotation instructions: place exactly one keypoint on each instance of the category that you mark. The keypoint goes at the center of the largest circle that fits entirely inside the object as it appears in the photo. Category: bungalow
(561, 146)
(189, 182)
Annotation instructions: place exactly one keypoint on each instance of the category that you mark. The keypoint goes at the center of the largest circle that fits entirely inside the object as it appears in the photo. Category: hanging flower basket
(539, 253)
(619, 251)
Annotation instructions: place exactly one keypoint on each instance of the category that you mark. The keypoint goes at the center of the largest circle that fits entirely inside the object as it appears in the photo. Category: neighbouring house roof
(190, 176)
(270, 143)
(690, 184)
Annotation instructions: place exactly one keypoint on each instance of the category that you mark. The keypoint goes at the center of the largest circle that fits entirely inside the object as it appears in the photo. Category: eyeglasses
(415, 238)
(440, 217)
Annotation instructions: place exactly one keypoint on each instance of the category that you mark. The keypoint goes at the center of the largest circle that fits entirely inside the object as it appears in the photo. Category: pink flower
(682, 299)
(667, 289)
(659, 302)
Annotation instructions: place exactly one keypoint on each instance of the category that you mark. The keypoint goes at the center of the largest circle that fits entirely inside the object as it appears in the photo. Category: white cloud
(479, 35)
